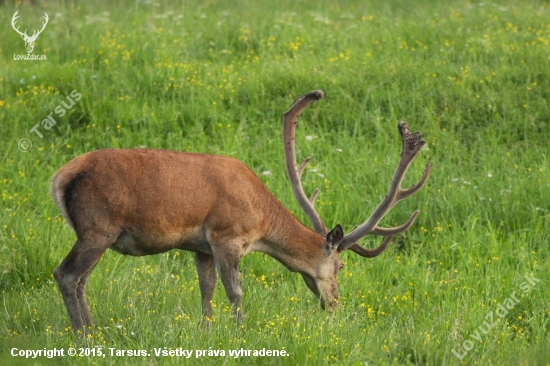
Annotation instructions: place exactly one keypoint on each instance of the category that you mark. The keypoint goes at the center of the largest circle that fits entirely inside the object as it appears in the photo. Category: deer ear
(334, 237)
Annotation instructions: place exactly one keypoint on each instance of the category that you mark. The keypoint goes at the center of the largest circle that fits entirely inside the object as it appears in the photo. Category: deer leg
(71, 276)
(81, 298)
(207, 280)
(228, 267)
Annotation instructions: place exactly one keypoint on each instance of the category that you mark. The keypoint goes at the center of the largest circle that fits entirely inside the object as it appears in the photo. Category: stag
(144, 201)
(29, 40)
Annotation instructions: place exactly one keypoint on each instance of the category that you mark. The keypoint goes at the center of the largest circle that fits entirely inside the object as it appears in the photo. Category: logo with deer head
(29, 40)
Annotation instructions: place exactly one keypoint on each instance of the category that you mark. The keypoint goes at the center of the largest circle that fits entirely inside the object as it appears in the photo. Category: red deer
(144, 201)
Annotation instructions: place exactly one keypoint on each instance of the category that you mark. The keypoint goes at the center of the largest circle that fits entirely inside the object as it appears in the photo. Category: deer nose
(329, 306)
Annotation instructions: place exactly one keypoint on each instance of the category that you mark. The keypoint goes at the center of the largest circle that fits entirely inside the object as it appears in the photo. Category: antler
(35, 32)
(13, 20)
(412, 143)
(290, 119)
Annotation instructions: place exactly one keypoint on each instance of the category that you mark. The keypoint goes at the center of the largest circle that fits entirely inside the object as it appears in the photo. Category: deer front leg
(228, 267)
(207, 280)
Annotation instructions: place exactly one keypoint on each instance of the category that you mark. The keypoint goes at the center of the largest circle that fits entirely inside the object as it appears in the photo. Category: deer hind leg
(81, 297)
(207, 280)
(71, 276)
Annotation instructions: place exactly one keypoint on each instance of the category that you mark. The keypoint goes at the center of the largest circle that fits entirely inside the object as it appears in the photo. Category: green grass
(216, 77)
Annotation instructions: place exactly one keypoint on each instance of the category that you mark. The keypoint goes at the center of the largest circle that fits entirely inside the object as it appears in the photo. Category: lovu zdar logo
(29, 40)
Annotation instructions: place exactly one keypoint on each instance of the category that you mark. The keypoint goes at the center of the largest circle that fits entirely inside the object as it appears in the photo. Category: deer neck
(291, 242)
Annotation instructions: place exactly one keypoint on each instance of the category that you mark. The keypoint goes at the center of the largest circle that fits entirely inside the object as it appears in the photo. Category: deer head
(29, 40)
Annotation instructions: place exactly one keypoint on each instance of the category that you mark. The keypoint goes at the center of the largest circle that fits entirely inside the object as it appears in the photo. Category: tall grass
(216, 77)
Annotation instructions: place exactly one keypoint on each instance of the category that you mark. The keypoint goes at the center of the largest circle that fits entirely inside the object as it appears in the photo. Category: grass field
(467, 284)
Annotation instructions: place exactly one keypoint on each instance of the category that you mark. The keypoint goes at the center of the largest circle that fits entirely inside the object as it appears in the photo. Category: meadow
(467, 284)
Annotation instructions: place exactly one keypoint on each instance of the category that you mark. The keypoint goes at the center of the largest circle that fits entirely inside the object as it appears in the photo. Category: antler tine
(370, 253)
(384, 231)
(37, 32)
(14, 20)
(415, 188)
(46, 18)
(302, 166)
(313, 196)
(411, 145)
(299, 171)
(290, 119)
